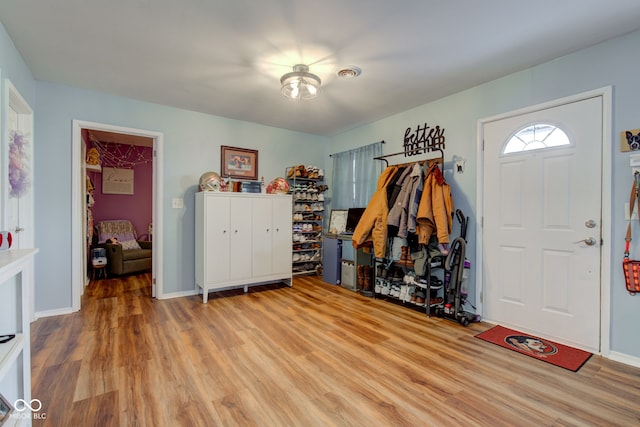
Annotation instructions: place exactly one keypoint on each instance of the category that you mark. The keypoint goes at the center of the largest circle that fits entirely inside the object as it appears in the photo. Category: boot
(367, 278)
(360, 271)
(403, 256)
(406, 256)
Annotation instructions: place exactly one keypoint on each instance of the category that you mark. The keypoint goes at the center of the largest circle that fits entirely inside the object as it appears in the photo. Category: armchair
(128, 255)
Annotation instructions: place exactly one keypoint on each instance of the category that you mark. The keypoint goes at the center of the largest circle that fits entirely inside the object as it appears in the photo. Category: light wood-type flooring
(310, 355)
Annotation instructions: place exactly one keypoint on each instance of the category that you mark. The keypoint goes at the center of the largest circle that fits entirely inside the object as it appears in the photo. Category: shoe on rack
(395, 291)
(404, 290)
(436, 300)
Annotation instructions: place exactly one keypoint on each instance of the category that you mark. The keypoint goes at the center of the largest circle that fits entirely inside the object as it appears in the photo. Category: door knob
(589, 241)
(590, 223)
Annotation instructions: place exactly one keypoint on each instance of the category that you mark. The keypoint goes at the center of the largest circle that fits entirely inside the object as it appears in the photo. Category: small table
(99, 270)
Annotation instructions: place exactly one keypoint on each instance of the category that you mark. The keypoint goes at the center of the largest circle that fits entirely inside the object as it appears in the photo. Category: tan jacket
(372, 227)
(435, 211)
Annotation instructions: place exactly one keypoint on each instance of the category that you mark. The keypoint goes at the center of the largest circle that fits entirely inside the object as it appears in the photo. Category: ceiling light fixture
(300, 83)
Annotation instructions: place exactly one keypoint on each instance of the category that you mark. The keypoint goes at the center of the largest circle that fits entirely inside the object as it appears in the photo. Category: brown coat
(435, 211)
(372, 227)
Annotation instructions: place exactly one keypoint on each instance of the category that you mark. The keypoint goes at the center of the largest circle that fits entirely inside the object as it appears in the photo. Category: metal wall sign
(424, 138)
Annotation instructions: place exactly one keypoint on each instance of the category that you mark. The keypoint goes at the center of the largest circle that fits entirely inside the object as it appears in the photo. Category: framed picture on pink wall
(117, 181)
(239, 163)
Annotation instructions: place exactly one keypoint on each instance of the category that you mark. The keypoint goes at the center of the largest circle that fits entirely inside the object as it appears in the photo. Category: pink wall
(137, 208)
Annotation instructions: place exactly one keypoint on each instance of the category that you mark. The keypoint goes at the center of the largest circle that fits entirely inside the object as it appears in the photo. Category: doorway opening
(125, 137)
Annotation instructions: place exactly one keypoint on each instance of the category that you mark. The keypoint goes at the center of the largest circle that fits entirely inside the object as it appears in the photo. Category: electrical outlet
(177, 203)
(626, 211)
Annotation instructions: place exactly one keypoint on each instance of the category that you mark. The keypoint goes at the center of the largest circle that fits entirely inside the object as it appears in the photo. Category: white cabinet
(15, 355)
(272, 232)
(242, 239)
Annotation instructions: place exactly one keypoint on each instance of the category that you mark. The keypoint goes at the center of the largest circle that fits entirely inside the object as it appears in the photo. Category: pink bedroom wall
(137, 208)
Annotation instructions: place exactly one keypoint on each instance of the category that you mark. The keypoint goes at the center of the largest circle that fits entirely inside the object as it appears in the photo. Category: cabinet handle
(267, 230)
(224, 231)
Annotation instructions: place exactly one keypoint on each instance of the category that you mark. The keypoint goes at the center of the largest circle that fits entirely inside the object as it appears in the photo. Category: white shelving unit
(15, 355)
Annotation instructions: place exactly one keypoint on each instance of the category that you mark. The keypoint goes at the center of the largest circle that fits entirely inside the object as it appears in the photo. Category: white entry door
(542, 222)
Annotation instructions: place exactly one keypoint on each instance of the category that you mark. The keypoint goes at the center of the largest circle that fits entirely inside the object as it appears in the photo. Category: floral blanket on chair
(122, 230)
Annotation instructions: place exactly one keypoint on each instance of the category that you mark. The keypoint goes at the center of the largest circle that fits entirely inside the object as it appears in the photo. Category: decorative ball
(278, 186)
(211, 181)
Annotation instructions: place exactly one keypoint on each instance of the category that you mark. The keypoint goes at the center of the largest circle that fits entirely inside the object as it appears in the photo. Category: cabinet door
(216, 239)
(282, 236)
(262, 236)
(240, 240)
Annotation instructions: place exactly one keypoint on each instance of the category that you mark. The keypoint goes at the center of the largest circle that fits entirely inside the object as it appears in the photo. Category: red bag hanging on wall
(630, 267)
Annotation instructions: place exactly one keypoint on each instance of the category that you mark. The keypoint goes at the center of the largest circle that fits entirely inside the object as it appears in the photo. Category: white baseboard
(625, 358)
(51, 313)
(179, 294)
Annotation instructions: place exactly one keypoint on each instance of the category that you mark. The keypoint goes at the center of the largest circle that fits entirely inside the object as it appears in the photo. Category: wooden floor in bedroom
(310, 355)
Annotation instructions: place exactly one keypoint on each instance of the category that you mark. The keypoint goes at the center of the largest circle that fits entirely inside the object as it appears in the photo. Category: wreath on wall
(18, 164)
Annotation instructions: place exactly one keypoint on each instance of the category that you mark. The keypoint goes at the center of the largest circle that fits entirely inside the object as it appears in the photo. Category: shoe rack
(396, 281)
(307, 190)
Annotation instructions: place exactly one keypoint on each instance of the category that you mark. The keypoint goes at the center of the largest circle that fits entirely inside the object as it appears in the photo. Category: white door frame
(605, 252)
(78, 221)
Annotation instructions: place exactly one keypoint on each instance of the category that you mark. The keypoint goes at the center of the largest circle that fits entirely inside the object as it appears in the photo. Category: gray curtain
(355, 176)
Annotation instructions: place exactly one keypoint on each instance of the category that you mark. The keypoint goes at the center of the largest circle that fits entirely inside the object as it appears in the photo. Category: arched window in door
(535, 137)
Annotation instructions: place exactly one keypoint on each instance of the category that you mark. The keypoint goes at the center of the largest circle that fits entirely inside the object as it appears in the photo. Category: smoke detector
(349, 72)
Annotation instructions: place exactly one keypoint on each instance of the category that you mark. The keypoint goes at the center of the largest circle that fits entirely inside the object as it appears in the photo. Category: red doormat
(548, 351)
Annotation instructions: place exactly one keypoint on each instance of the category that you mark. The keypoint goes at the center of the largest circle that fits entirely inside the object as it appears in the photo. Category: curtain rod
(381, 142)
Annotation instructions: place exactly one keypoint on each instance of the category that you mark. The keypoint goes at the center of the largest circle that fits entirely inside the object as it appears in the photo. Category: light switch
(177, 203)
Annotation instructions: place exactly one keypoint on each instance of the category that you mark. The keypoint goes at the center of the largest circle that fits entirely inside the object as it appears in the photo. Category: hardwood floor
(311, 355)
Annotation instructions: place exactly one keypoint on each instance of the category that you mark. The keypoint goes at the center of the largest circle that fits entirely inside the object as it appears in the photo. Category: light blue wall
(614, 63)
(15, 69)
(192, 142)
(191, 147)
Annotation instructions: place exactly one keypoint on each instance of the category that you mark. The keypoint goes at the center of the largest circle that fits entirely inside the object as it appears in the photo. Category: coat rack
(416, 151)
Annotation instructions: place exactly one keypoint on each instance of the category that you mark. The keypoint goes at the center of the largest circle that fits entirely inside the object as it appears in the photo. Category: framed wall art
(630, 140)
(338, 221)
(239, 163)
(117, 181)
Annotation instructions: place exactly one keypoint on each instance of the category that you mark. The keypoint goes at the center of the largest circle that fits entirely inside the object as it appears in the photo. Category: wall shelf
(93, 168)
(9, 352)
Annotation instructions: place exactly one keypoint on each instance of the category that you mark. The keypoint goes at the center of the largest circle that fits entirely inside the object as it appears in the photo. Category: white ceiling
(226, 57)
